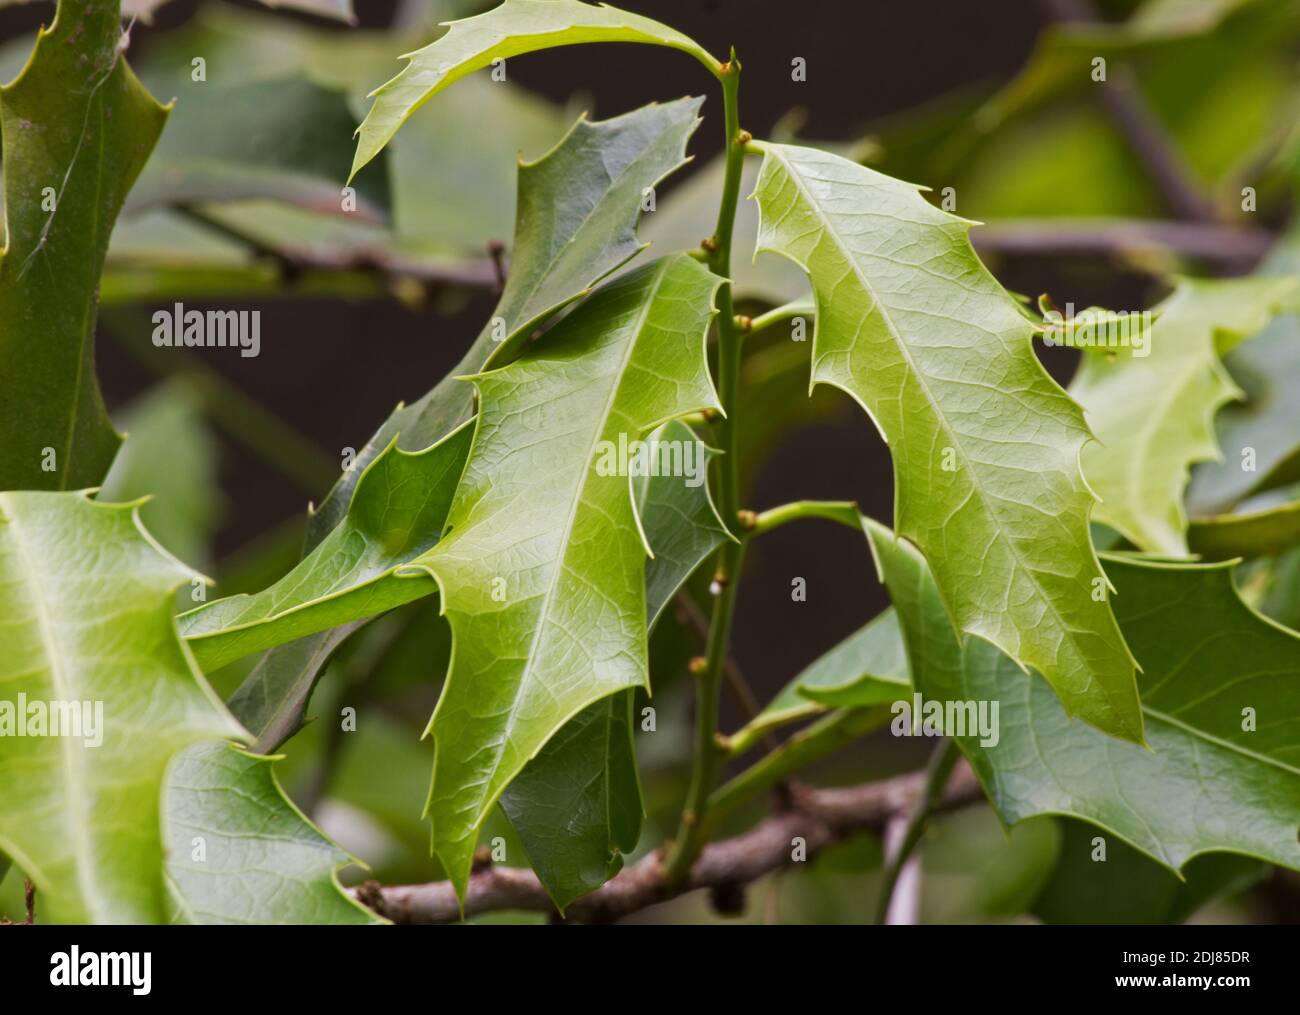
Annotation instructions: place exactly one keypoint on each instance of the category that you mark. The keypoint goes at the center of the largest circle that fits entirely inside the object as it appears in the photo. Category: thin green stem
(843, 511)
(940, 768)
(778, 315)
(823, 737)
(707, 753)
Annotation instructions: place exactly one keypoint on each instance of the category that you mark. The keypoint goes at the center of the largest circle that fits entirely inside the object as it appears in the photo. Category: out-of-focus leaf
(1254, 533)
(291, 142)
(517, 26)
(1260, 438)
(89, 638)
(1218, 689)
(169, 456)
(1127, 887)
(985, 444)
(544, 583)
(239, 852)
(77, 127)
(1153, 414)
(975, 870)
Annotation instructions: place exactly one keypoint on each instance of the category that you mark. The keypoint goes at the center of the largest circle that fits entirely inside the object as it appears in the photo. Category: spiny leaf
(1153, 413)
(577, 214)
(399, 512)
(869, 667)
(577, 805)
(261, 861)
(985, 445)
(86, 600)
(77, 128)
(575, 223)
(516, 27)
(1218, 688)
(543, 571)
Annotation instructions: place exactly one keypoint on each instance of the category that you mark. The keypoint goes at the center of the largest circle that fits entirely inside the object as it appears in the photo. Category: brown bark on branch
(820, 817)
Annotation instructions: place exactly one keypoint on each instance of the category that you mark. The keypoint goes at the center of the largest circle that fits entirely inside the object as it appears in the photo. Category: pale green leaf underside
(985, 445)
(1153, 415)
(239, 852)
(86, 599)
(514, 28)
(543, 569)
(1205, 785)
(577, 805)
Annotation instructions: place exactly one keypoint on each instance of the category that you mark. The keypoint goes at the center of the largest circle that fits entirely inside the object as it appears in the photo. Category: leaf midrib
(905, 352)
(81, 848)
(548, 598)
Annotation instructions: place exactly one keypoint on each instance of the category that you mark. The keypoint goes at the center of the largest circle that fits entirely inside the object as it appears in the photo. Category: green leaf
(239, 852)
(1254, 533)
(578, 207)
(1153, 413)
(77, 127)
(1205, 785)
(985, 445)
(577, 805)
(543, 570)
(86, 597)
(399, 512)
(169, 456)
(516, 27)
(681, 523)
(288, 144)
(1129, 888)
(576, 223)
(1260, 438)
(869, 667)
(272, 701)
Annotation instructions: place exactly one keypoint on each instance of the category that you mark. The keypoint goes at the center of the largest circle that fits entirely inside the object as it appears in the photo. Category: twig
(294, 261)
(820, 817)
(1117, 237)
